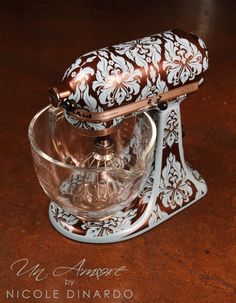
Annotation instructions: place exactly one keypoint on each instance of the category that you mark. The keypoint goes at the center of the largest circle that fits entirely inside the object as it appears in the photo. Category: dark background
(190, 258)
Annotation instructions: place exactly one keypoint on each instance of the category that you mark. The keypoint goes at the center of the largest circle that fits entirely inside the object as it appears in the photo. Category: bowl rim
(48, 158)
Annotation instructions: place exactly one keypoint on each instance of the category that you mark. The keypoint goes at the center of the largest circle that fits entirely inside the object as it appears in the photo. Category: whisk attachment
(103, 155)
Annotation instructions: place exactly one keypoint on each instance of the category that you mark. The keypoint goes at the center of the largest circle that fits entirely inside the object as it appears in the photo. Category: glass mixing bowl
(91, 189)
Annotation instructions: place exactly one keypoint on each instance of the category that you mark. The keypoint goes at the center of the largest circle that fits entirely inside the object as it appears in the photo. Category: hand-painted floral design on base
(175, 188)
(157, 215)
(65, 219)
(121, 221)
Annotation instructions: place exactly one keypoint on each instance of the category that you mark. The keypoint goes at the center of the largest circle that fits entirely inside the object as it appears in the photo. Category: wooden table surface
(190, 258)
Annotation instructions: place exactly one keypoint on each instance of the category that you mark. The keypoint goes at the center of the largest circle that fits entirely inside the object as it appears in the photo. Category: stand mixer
(108, 151)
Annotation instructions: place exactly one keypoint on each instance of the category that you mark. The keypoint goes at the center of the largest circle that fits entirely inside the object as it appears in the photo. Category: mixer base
(121, 227)
(172, 186)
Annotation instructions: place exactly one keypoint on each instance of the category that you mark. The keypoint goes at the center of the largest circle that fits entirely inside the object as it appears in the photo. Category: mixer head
(103, 87)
